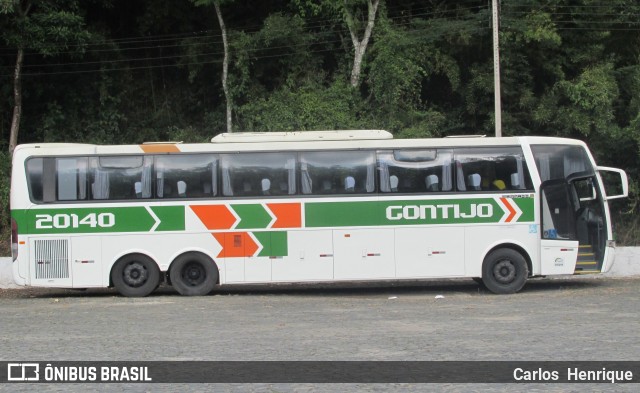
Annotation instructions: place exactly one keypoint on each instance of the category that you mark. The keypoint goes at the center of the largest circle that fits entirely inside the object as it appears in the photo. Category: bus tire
(135, 275)
(193, 274)
(504, 271)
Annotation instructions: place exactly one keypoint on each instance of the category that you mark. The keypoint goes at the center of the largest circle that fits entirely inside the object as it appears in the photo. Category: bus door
(559, 241)
(591, 222)
(574, 226)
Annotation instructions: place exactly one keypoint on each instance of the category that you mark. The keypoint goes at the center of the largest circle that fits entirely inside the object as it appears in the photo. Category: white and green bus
(322, 206)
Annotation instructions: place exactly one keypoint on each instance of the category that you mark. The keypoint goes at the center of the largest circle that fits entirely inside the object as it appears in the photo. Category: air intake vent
(52, 258)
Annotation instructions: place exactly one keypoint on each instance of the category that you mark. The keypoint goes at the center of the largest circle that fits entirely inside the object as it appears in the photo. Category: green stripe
(527, 207)
(252, 216)
(275, 244)
(412, 212)
(98, 220)
(171, 218)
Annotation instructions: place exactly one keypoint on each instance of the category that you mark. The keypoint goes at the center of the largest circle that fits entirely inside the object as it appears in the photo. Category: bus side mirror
(614, 178)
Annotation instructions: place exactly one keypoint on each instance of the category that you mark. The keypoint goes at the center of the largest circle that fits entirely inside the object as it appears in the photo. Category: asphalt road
(569, 319)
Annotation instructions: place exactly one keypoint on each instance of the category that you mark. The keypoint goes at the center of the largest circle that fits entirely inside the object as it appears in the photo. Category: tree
(351, 12)
(360, 46)
(46, 27)
(225, 60)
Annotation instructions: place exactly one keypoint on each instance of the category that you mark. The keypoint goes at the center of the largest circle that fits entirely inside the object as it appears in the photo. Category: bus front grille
(52, 258)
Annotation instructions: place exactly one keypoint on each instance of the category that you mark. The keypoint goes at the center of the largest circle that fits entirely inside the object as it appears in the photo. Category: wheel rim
(135, 274)
(504, 271)
(193, 274)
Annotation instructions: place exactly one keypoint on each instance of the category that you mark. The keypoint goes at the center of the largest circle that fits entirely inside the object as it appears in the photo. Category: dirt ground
(573, 319)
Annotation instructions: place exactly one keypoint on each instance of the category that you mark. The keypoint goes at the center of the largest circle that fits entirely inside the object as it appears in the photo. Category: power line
(137, 59)
(216, 61)
(235, 31)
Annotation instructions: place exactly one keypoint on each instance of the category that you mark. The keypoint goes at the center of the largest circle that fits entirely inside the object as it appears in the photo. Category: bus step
(586, 263)
(578, 271)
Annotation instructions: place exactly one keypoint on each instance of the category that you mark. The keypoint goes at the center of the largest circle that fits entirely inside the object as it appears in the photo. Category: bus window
(34, 176)
(337, 172)
(560, 162)
(258, 174)
(415, 171)
(71, 178)
(491, 169)
(118, 178)
(57, 179)
(186, 176)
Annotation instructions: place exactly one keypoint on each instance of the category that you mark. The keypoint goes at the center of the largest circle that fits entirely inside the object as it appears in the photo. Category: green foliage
(46, 27)
(583, 105)
(311, 106)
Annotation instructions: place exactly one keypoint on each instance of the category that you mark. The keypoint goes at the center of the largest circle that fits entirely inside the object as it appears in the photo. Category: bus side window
(337, 172)
(258, 174)
(492, 169)
(115, 177)
(71, 178)
(415, 171)
(186, 176)
(35, 177)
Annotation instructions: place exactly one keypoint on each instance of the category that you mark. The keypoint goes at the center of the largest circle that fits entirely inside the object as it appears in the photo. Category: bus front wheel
(135, 275)
(193, 274)
(504, 271)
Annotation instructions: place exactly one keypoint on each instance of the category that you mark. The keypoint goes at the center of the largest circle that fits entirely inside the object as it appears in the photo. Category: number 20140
(62, 221)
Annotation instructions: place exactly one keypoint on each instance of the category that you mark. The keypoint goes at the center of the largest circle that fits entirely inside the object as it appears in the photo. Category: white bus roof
(286, 141)
(299, 136)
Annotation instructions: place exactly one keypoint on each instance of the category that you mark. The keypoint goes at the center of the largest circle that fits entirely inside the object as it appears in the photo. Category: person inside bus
(393, 183)
(432, 183)
(498, 185)
(515, 181)
(349, 184)
(265, 185)
(138, 189)
(182, 188)
(474, 182)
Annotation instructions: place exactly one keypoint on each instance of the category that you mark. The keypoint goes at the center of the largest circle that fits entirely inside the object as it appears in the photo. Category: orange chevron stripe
(214, 216)
(512, 211)
(235, 244)
(288, 215)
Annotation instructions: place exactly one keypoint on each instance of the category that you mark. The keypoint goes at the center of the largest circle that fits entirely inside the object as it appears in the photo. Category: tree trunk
(17, 83)
(225, 66)
(360, 47)
(17, 101)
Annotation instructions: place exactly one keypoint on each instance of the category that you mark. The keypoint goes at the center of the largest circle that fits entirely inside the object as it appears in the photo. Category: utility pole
(496, 69)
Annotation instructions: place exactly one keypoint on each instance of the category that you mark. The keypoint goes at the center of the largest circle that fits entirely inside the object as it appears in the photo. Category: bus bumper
(17, 279)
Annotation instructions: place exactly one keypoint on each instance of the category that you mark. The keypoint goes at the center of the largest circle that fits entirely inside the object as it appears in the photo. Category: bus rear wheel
(504, 271)
(193, 274)
(135, 275)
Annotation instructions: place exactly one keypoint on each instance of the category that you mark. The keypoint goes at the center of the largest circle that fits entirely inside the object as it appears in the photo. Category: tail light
(14, 239)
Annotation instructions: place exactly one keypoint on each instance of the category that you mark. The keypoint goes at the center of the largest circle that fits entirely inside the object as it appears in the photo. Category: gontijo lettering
(422, 212)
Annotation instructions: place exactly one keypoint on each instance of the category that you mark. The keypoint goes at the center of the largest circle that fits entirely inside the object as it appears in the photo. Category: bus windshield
(560, 161)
